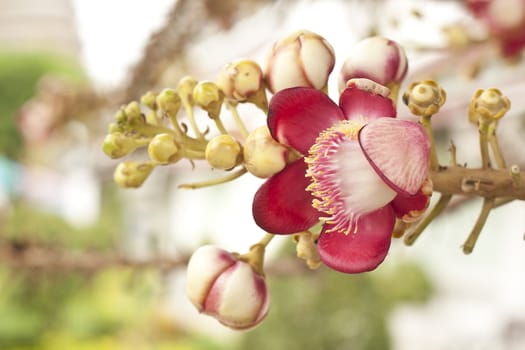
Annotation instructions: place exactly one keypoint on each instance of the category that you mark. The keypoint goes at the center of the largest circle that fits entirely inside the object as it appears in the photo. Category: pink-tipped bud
(376, 58)
(301, 59)
(226, 288)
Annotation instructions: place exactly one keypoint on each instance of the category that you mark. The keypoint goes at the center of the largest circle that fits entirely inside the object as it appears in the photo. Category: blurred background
(86, 265)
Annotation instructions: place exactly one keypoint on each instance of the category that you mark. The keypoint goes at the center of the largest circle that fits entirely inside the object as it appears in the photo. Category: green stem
(494, 145)
(220, 126)
(488, 204)
(484, 144)
(219, 181)
(266, 239)
(191, 118)
(193, 154)
(237, 119)
(420, 227)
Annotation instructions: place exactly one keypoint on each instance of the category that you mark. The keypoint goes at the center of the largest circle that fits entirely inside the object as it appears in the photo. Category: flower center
(343, 181)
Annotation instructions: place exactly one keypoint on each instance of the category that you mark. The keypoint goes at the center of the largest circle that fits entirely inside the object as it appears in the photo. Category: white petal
(205, 265)
(240, 299)
(362, 189)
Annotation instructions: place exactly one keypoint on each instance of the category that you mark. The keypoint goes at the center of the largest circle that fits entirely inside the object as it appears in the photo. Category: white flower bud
(376, 58)
(226, 288)
(263, 156)
(301, 59)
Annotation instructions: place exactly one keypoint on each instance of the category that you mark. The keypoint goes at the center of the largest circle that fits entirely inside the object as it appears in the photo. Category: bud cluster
(232, 287)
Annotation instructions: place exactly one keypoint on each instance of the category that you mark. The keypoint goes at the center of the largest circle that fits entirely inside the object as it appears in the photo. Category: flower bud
(209, 97)
(185, 89)
(306, 249)
(226, 288)
(223, 152)
(263, 156)
(243, 81)
(120, 116)
(149, 99)
(132, 111)
(301, 59)
(488, 104)
(163, 149)
(424, 98)
(132, 174)
(117, 145)
(168, 101)
(376, 58)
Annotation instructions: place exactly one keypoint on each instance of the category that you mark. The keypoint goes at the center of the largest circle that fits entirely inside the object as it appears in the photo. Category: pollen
(323, 170)
(344, 184)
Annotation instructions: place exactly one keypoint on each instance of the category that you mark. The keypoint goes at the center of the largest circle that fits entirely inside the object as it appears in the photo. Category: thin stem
(488, 204)
(151, 130)
(420, 227)
(193, 154)
(175, 123)
(484, 144)
(494, 145)
(237, 119)
(191, 119)
(220, 126)
(266, 239)
(427, 124)
(218, 181)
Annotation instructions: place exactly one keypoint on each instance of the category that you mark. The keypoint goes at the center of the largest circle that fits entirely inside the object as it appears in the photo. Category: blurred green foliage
(27, 222)
(19, 74)
(118, 308)
(330, 310)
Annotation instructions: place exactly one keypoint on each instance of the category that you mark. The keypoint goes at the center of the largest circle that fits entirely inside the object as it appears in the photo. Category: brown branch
(485, 183)
(37, 257)
(186, 22)
(40, 257)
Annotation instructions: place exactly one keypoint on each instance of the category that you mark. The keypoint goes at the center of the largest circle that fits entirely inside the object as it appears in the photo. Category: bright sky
(114, 32)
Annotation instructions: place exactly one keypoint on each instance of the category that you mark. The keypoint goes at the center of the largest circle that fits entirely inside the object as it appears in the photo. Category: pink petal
(363, 105)
(282, 205)
(399, 151)
(411, 206)
(297, 116)
(363, 250)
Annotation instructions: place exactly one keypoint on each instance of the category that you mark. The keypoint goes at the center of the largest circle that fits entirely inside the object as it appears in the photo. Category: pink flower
(505, 20)
(361, 168)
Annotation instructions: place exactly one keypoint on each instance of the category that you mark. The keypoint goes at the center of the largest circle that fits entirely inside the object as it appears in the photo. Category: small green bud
(132, 174)
(209, 97)
(185, 89)
(168, 101)
(114, 127)
(149, 100)
(133, 111)
(163, 149)
(223, 152)
(120, 116)
(117, 145)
